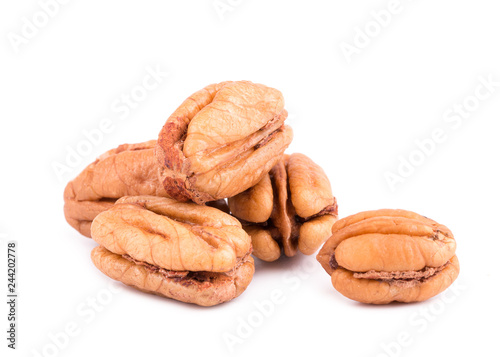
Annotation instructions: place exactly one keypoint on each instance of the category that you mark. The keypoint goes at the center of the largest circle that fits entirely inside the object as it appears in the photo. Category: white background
(357, 116)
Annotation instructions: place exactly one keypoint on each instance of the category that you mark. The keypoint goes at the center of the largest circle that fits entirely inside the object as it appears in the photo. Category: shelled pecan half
(389, 255)
(187, 252)
(222, 140)
(129, 169)
(291, 209)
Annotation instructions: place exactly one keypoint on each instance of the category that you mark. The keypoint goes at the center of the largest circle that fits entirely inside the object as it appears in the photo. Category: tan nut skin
(222, 140)
(371, 291)
(191, 253)
(389, 255)
(129, 169)
(292, 209)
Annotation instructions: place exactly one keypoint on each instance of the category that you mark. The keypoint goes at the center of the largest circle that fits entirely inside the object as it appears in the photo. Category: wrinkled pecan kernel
(290, 209)
(411, 257)
(129, 169)
(196, 254)
(222, 140)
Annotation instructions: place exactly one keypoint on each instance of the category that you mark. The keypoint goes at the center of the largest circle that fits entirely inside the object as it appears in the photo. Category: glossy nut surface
(192, 253)
(129, 169)
(389, 255)
(292, 209)
(222, 140)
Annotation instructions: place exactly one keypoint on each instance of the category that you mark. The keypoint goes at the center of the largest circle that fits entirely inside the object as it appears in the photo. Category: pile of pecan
(180, 216)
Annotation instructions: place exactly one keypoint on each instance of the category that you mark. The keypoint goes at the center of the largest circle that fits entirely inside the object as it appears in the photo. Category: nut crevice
(291, 209)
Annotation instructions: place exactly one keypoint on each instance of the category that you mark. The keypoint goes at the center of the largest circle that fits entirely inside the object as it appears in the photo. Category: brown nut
(292, 209)
(389, 255)
(191, 253)
(222, 140)
(129, 169)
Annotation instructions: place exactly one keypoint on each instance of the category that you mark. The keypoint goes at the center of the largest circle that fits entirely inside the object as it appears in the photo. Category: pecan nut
(129, 169)
(222, 140)
(290, 209)
(389, 255)
(187, 252)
